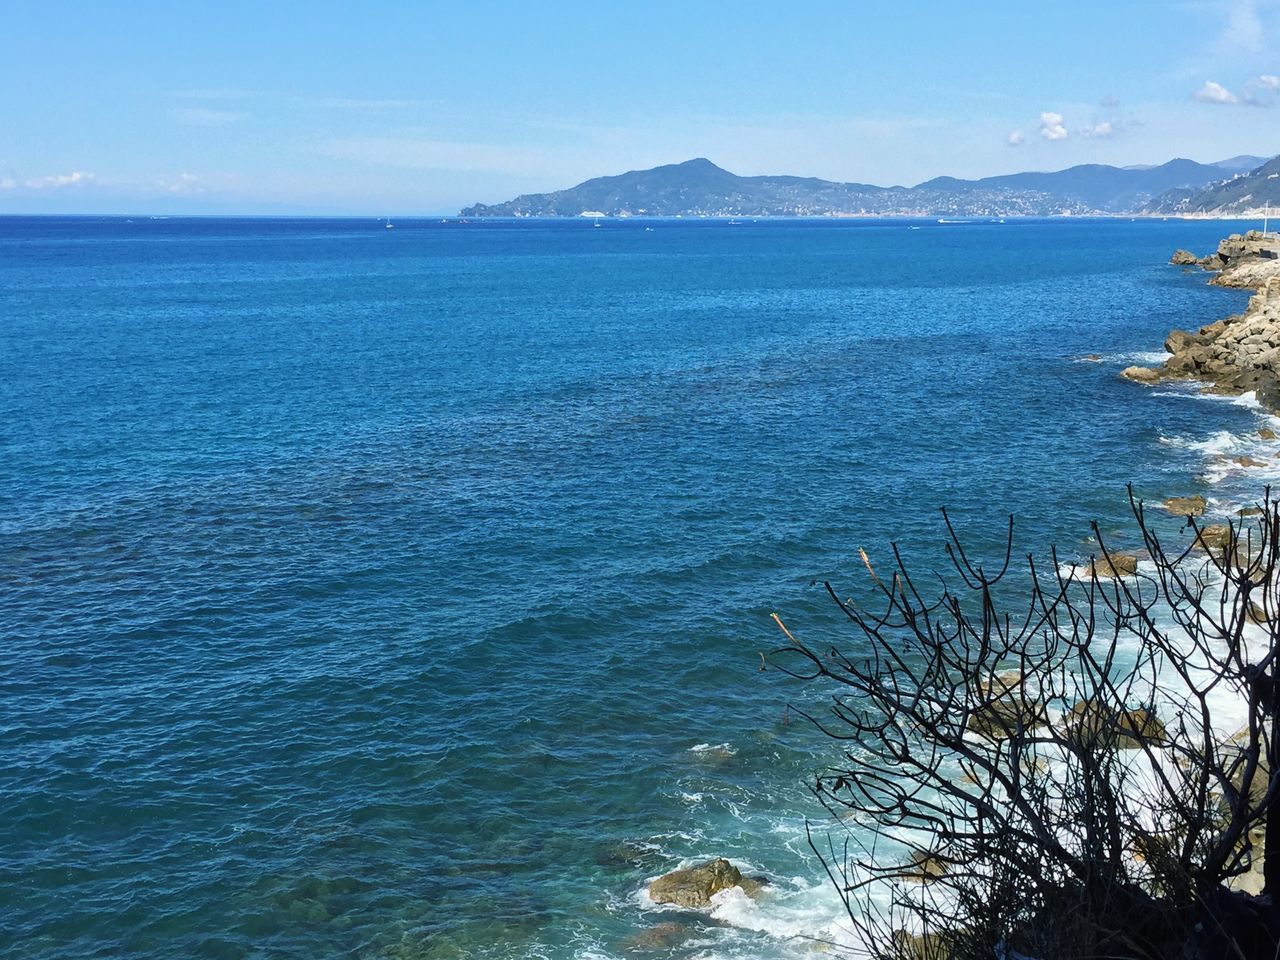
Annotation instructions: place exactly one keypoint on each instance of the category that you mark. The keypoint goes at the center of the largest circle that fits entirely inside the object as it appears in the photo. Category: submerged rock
(695, 886)
(624, 853)
(660, 937)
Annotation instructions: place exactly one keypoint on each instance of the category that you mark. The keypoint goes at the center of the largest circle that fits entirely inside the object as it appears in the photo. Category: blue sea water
(401, 593)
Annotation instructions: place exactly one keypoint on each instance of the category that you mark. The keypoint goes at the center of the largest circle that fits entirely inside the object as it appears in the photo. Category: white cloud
(1262, 91)
(1243, 30)
(1051, 127)
(184, 183)
(1017, 138)
(76, 178)
(1213, 92)
(1100, 131)
(8, 183)
(204, 117)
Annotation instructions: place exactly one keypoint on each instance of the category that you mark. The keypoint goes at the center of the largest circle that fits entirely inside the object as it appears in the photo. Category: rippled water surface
(400, 593)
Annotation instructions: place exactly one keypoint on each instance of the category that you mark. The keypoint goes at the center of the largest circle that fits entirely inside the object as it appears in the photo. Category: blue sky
(402, 108)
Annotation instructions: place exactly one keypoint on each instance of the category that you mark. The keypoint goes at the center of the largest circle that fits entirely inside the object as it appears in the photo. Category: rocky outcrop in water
(1092, 722)
(1193, 506)
(1112, 566)
(1240, 354)
(695, 886)
(1241, 260)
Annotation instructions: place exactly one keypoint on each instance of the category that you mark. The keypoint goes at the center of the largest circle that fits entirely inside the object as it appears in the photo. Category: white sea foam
(1145, 358)
(1194, 390)
(724, 748)
(1220, 443)
(799, 912)
(1227, 455)
(808, 915)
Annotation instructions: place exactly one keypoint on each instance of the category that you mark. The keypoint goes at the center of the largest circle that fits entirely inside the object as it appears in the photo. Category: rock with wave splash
(1113, 566)
(695, 886)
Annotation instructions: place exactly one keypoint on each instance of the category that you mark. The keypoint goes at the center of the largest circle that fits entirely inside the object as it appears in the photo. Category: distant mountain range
(700, 188)
(1246, 194)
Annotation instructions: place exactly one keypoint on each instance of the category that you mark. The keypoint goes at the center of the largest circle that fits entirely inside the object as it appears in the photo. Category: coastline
(1239, 354)
(1236, 357)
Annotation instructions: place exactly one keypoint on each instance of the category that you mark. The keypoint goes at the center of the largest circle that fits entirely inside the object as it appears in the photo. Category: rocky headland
(1240, 354)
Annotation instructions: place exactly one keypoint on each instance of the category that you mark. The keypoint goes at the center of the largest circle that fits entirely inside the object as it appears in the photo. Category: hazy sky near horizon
(399, 107)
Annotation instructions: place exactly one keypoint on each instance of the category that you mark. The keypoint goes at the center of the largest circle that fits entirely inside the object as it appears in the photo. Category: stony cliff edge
(1240, 354)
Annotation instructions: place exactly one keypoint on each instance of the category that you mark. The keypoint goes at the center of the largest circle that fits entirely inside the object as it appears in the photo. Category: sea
(406, 594)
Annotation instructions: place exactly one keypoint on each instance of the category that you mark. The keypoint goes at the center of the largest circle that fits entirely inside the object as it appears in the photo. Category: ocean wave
(801, 911)
(1219, 443)
(726, 749)
(1194, 389)
(1144, 358)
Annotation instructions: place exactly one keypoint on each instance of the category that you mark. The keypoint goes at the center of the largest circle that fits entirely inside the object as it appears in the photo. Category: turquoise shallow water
(400, 593)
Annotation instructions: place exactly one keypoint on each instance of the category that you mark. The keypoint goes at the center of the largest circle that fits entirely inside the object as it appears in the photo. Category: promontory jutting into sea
(439, 522)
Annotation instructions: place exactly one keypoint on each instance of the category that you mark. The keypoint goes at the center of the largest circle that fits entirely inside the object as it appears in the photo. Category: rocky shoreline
(1240, 354)
(1234, 356)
